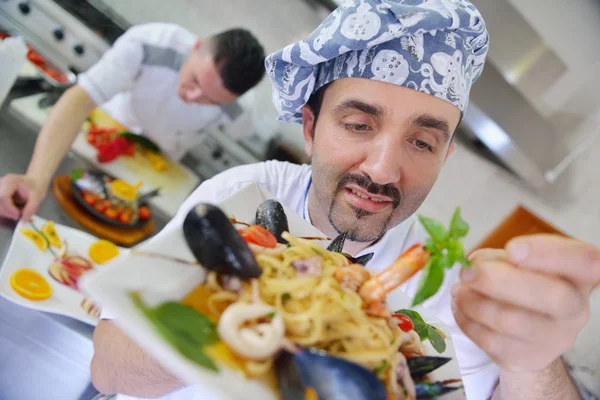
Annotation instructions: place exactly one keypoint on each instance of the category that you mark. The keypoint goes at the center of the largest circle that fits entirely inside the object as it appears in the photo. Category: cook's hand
(20, 191)
(524, 306)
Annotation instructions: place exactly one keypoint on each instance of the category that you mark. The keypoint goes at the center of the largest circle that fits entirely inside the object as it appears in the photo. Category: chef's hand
(524, 306)
(20, 196)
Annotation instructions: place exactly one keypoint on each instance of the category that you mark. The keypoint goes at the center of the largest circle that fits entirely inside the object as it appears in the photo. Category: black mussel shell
(337, 244)
(271, 216)
(215, 243)
(421, 366)
(426, 391)
(331, 377)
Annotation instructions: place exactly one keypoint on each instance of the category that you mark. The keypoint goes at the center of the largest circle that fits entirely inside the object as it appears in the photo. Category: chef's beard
(362, 226)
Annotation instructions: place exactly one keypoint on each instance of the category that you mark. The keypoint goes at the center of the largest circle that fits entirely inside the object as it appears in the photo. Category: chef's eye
(421, 145)
(357, 127)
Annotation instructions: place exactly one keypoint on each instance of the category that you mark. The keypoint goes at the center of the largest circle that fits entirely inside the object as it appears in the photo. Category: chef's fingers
(488, 254)
(504, 318)
(571, 259)
(8, 187)
(33, 199)
(519, 287)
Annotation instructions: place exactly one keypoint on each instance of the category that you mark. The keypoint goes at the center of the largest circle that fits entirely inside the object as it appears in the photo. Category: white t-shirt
(290, 184)
(136, 81)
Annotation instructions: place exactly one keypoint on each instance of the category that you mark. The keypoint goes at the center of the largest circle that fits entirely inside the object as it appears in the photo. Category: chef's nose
(383, 160)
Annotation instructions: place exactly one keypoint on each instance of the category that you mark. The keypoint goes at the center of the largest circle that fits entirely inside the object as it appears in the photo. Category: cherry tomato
(258, 235)
(125, 218)
(90, 198)
(404, 322)
(102, 205)
(111, 213)
(144, 213)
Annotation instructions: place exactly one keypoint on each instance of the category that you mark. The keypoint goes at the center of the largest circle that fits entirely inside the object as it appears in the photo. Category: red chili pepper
(404, 322)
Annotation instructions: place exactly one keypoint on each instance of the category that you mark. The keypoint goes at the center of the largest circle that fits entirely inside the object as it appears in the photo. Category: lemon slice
(49, 231)
(40, 241)
(103, 251)
(30, 284)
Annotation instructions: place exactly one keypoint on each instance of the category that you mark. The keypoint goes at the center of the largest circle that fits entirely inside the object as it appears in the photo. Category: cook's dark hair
(240, 58)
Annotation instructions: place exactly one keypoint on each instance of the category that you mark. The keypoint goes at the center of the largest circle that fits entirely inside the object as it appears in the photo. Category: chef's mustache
(367, 184)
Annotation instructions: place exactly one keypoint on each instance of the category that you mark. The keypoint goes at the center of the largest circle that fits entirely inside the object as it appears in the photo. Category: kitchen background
(530, 137)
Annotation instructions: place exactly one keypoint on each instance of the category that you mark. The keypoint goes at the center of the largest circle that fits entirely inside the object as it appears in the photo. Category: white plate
(159, 280)
(23, 253)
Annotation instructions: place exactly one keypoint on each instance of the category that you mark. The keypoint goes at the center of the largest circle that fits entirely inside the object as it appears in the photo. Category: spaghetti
(314, 294)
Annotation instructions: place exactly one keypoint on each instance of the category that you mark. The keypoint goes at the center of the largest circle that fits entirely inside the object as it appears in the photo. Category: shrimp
(351, 276)
(405, 266)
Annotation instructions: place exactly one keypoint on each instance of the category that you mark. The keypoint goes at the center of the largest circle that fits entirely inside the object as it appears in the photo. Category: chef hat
(434, 46)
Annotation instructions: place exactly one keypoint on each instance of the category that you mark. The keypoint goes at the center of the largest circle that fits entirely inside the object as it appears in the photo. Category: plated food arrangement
(311, 322)
(45, 263)
(113, 201)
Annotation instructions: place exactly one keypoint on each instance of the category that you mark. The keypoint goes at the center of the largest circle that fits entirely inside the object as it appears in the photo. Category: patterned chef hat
(434, 46)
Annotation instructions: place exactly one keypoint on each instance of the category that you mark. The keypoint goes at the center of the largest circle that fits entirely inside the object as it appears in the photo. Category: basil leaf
(425, 330)
(270, 315)
(458, 227)
(430, 245)
(418, 322)
(187, 323)
(436, 339)
(76, 174)
(285, 297)
(183, 327)
(431, 281)
(435, 230)
(454, 253)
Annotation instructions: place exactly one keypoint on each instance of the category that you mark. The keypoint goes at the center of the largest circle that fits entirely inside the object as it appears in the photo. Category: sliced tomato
(260, 236)
(404, 322)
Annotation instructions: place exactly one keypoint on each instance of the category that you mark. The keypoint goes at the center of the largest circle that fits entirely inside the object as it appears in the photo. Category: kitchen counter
(41, 355)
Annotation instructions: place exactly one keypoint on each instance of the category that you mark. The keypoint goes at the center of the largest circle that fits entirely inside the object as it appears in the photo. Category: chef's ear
(308, 127)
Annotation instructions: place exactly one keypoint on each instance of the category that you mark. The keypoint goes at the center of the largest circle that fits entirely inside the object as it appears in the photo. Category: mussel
(330, 377)
(271, 216)
(421, 366)
(427, 391)
(216, 245)
(337, 244)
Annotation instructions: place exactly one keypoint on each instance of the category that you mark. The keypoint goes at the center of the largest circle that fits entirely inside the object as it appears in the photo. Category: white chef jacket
(290, 183)
(136, 81)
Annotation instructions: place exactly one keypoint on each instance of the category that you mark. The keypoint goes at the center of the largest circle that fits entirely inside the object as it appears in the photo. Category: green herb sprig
(445, 248)
(425, 331)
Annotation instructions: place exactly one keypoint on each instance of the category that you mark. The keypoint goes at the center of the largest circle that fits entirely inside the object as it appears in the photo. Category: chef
(159, 80)
(380, 88)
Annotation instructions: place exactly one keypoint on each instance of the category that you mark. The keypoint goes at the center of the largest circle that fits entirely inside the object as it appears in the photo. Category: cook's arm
(59, 133)
(114, 73)
(121, 366)
(552, 383)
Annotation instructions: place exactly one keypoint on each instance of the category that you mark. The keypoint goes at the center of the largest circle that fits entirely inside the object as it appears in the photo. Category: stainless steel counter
(42, 356)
